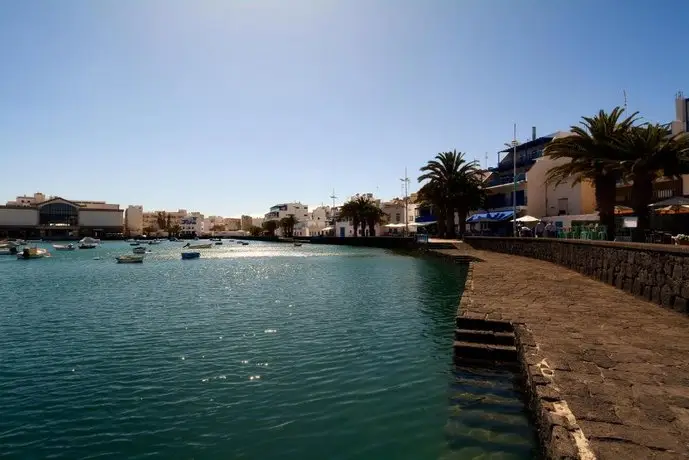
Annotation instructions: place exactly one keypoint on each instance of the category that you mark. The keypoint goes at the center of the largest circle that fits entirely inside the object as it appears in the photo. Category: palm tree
(371, 216)
(287, 224)
(255, 231)
(651, 152)
(455, 180)
(594, 151)
(431, 196)
(270, 226)
(162, 220)
(350, 212)
(175, 230)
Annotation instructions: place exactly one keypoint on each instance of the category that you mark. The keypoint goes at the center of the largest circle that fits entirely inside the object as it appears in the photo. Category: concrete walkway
(620, 363)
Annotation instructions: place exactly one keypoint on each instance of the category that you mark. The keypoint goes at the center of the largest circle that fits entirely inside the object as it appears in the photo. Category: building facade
(134, 220)
(57, 218)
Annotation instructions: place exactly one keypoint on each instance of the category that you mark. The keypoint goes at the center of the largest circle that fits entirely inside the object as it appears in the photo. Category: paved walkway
(620, 363)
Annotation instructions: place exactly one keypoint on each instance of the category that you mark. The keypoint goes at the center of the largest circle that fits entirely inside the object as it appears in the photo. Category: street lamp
(514, 144)
(405, 181)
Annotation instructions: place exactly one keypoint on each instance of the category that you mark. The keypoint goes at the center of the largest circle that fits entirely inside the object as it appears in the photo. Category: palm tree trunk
(450, 217)
(355, 224)
(371, 228)
(642, 195)
(462, 215)
(606, 189)
(440, 216)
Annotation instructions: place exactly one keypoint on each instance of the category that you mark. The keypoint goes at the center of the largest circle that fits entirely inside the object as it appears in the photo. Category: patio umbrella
(527, 219)
(674, 209)
(623, 210)
(674, 201)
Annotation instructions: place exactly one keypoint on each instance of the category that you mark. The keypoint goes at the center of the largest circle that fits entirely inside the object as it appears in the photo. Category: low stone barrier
(657, 273)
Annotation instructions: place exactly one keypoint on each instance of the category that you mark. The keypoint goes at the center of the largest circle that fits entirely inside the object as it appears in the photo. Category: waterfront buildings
(191, 224)
(232, 224)
(55, 217)
(134, 220)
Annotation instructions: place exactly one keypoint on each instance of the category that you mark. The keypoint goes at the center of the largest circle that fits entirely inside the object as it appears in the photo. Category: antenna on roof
(624, 93)
(333, 197)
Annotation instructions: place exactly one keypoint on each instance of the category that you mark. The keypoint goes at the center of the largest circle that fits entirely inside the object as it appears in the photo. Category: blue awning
(491, 216)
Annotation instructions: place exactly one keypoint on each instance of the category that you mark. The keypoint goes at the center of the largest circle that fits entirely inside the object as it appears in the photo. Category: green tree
(650, 152)
(349, 212)
(149, 230)
(255, 231)
(218, 228)
(174, 230)
(594, 153)
(163, 221)
(430, 195)
(371, 215)
(270, 226)
(287, 225)
(456, 186)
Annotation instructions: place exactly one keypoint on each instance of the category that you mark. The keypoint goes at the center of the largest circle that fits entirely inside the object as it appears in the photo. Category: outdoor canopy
(527, 219)
(490, 216)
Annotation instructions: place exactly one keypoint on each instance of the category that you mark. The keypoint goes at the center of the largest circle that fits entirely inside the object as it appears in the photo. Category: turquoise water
(263, 351)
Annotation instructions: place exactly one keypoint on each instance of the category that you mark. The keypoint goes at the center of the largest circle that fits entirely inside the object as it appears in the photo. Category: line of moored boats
(25, 251)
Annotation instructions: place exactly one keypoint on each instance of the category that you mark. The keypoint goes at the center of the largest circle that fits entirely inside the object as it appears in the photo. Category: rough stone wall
(657, 273)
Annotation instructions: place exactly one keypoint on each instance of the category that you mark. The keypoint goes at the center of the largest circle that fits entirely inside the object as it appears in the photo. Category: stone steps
(485, 343)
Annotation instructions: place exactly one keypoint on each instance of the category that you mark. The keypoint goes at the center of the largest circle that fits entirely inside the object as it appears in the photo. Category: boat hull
(191, 255)
(130, 259)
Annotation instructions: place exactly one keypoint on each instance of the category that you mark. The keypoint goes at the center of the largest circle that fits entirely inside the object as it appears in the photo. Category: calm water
(260, 352)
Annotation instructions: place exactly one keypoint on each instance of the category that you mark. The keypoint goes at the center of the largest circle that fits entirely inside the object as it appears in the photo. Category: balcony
(502, 180)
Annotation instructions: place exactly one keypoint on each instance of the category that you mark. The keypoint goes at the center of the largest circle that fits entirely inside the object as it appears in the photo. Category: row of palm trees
(608, 148)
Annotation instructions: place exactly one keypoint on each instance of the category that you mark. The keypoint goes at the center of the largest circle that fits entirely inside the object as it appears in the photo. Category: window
(58, 213)
(397, 217)
(562, 207)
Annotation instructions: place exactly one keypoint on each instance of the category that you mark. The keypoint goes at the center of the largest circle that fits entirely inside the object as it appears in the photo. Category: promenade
(617, 366)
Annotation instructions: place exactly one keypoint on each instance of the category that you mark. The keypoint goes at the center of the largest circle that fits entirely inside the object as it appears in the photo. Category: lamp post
(514, 179)
(405, 181)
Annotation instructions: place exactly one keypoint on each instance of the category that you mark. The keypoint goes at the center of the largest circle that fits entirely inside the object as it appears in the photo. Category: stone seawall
(657, 273)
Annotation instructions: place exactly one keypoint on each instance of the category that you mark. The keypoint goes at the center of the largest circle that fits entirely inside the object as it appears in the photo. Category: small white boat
(88, 243)
(7, 250)
(64, 247)
(198, 246)
(154, 242)
(139, 250)
(33, 253)
(130, 259)
(297, 244)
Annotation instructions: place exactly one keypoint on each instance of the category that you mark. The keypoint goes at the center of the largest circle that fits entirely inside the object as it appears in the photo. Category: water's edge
(536, 390)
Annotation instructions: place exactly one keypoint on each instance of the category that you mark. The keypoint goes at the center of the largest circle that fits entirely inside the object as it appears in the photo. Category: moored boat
(136, 243)
(198, 246)
(88, 243)
(191, 255)
(218, 243)
(297, 244)
(245, 243)
(7, 250)
(130, 259)
(139, 250)
(64, 247)
(154, 242)
(33, 253)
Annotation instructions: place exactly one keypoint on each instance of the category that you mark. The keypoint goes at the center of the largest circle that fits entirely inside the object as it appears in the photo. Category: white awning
(395, 226)
(327, 229)
(422, 224)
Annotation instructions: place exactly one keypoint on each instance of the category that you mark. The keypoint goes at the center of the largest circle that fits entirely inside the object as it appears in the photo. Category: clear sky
(230, 106)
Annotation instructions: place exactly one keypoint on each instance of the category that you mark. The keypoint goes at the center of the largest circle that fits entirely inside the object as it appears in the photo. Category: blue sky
(228, 107)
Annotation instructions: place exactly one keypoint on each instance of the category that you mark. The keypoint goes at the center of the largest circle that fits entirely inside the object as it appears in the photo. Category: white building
(192, 224)
(134, 220)
(298, 210)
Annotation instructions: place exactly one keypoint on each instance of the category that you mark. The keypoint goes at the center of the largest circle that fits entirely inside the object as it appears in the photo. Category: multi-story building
(232, 224)
(134, 220)
(246, 222)
(257, 221)
(56, 217)
(298, 210)
(191, 224)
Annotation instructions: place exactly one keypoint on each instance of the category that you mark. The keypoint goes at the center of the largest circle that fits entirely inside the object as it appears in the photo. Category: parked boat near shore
(139, 250)
(191, 255)
(88, 243)
(198, 246)
(33, 253)
(130, 259)
(64, 247)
